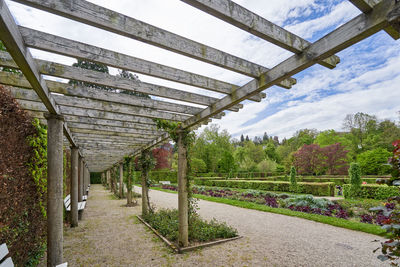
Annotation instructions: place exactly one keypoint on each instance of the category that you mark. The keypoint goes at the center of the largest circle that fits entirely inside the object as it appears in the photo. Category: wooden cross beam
(366, 6)
(246, 20)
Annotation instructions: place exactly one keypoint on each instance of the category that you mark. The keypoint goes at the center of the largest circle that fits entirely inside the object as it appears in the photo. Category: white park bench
(165, 182)
(7, 262)
(4, 261)
(67, 204)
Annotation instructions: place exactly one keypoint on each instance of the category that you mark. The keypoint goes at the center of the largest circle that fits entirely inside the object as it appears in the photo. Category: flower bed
(316, 189)
(354, 210)
(165, 221)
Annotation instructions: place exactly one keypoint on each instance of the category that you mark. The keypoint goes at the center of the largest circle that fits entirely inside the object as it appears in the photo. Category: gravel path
(109, 235)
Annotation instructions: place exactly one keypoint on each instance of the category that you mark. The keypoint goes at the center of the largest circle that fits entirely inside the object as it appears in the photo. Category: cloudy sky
(367, 79)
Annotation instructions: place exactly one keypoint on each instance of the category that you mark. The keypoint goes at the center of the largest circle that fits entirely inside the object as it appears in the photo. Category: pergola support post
(80, 180)
(182, 191)
(54, 189)
(74, 186)
(121, 178)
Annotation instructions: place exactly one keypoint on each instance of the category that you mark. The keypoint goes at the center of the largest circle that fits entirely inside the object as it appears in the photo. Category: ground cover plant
(165, 221)
(389, 218)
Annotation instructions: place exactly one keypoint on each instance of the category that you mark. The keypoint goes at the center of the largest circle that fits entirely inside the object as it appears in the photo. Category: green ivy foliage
(38, 163)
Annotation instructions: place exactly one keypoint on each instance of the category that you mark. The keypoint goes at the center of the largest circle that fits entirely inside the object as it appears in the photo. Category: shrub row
(157, 176)
(371, 191)
(308, 179)
(316, 189)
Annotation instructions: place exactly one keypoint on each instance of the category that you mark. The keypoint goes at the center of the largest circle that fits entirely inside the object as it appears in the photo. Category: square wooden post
(54, 189)
(74, 186)
(182, 191)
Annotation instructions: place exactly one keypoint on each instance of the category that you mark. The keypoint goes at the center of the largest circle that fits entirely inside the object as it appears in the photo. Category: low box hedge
(316, 189)
(157, 176)
(375, 191)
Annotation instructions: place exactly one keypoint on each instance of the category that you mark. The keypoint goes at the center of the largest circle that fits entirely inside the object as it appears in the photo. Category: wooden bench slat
(7, 263)
(3, 251)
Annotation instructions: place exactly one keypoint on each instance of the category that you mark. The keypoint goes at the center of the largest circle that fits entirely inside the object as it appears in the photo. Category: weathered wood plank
(67, 47)
(86, 113)
(246, 20)
(105, 79)
(107, 133)
(75, 125)
(122, 124)
(366, 6)
(100, 136)
(109, 20)
(348, 34)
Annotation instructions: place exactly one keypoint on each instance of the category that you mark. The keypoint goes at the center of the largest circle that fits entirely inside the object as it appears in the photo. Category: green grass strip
(339, 222)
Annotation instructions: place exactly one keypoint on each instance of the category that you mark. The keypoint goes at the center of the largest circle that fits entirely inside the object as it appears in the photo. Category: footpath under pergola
(104, 126)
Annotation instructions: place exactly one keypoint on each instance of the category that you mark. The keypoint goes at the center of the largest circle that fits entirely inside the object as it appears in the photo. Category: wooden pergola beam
(12, 39)
(67, 47)
(105, 79)
(37, 107)
(366, 6)
(26, 94)
(136, 134)
(109, 20)
(75, 125)
(246, 20)
(100, 137)
(355, 30)
(12, 79)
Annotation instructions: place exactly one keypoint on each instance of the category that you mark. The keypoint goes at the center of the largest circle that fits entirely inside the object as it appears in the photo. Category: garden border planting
(317, 189)
(338, 222)
(177, 249)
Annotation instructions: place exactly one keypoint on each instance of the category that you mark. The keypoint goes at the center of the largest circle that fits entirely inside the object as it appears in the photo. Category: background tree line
(365, 140)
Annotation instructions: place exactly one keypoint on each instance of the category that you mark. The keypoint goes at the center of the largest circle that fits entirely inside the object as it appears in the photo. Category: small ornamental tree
(309, 159)
(355, 178)
(293, 181)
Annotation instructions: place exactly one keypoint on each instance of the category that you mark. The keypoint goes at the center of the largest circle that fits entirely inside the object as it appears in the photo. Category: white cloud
(357, 84)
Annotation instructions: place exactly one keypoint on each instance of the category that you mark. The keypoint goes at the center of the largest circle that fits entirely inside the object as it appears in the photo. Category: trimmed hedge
(371, 191)
(307, 179)
(316, 189)
(157, 176)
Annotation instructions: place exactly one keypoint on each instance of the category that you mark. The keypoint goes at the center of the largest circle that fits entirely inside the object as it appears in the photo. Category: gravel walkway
(109, 235)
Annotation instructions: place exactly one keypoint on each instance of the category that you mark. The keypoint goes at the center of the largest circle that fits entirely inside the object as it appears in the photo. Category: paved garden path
(109, 235)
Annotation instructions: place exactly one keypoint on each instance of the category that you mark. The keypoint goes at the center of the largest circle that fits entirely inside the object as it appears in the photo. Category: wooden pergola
(104, 126)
